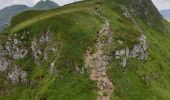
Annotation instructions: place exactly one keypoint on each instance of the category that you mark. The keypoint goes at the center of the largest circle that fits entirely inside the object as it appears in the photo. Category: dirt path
(99, 60)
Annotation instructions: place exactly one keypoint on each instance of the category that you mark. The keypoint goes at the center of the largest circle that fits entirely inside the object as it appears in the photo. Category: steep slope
(89, 50)
(145, 10)
(7, 13)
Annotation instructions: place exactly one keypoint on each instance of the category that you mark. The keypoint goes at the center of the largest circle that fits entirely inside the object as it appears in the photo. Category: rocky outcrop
(11, 51)
(15, 48)
(4, 63)
(139, 51)
(42, 47)
(17, 75)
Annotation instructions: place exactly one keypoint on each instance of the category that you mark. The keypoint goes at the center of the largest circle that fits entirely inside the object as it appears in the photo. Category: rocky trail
(99, 60)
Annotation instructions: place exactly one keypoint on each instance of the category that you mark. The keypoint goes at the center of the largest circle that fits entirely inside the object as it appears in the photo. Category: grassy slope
(76, 30)
(76, 26)
(149, 80)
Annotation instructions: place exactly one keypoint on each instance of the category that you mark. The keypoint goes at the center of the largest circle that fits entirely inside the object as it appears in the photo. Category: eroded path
(99, 60)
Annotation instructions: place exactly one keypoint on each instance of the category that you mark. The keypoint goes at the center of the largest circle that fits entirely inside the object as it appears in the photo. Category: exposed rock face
(36, 51)
(99, 61)
(11, 51)
(138, 51)
(15, 49)
(39, 52)
(4, 63)
(17, 75)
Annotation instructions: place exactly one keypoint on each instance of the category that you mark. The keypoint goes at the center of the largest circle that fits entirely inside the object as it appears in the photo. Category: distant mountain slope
(44, 5)
(7, 13)
(166, 13)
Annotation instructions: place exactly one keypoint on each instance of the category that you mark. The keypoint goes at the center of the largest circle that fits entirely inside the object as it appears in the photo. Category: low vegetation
(75, 27)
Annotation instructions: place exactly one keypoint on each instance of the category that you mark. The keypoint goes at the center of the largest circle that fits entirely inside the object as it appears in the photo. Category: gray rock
(4, 63)
(53, 70)
(15, 49)
(117, 55)
(139, 51)
(122, 52)
(127, 53)
(40, 53)
(124, 62)
(20, 53)
(3, 52)
(17, 75)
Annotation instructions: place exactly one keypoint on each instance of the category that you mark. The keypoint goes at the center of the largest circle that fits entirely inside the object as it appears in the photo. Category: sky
(160, 4)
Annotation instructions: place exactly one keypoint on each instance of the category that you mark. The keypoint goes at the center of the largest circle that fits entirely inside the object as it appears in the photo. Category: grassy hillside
(75, 29)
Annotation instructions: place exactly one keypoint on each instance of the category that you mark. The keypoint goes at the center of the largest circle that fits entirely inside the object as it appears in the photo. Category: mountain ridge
(45, 5)
(89, 50)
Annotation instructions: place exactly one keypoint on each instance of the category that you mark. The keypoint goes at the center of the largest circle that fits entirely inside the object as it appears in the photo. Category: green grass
(66, 9)
(74, 29)
(25, 16)
(148, 80)
(69, 86)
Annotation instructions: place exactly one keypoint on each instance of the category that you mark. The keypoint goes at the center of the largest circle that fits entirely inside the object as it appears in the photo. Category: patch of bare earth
(99, 60)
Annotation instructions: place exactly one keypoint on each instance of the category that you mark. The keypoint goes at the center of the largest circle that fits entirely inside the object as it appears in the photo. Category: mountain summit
(45, 5)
